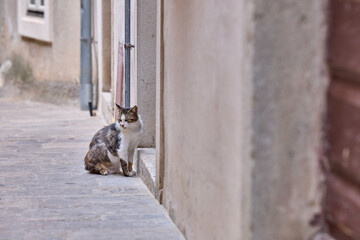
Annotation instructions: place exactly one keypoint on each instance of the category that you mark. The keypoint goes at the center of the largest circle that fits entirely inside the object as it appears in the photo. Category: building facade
(238, 112)
(41, 38)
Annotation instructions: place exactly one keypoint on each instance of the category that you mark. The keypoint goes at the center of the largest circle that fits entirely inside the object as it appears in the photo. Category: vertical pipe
(86, 88)
(127, 53)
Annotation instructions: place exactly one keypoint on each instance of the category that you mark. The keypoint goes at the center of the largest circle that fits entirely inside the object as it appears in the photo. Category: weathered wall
(244, 87)
(289, 91)
(105, 53)
(58, 61)
(102, 36)
(146, 67)
(206, 99)
(117, 36)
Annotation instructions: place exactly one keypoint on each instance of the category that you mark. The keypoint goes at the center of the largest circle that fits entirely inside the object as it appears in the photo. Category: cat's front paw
(131, 174)
(104, 172)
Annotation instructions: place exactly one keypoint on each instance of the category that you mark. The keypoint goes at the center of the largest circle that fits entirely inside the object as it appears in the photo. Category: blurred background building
(41, 39)
(250, 107)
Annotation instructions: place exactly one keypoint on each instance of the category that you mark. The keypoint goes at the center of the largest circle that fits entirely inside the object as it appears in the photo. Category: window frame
(35, 26)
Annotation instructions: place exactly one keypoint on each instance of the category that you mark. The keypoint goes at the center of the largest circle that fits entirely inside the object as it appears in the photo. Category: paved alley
(45, 192)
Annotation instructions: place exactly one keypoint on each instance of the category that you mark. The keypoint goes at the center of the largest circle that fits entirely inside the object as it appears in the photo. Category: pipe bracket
(128, 46)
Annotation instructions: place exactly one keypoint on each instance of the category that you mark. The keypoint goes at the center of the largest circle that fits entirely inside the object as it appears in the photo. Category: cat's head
(127, 117)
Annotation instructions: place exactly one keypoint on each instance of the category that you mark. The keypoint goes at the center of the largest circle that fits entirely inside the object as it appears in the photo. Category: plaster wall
(206, 93)
(56, 61)
(117, 36)
(290, 81)
(102, 58)
(105, 52)
(243, 98)
(146, 67)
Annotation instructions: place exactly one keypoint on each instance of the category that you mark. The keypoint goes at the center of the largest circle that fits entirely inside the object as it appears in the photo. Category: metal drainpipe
(128, 46)
(86, 86)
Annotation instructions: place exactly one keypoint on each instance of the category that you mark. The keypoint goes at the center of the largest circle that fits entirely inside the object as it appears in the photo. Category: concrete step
(146, 169)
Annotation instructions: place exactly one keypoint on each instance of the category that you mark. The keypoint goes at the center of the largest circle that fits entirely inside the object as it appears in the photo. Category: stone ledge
(146, 169)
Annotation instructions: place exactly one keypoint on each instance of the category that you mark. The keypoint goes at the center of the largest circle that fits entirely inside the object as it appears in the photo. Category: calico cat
(113, 146)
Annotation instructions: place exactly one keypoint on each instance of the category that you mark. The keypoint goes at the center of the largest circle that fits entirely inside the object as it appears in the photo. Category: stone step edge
(146, 169)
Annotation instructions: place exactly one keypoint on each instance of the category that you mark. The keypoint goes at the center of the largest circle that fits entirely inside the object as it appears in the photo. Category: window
(35, 8)
(34, 19)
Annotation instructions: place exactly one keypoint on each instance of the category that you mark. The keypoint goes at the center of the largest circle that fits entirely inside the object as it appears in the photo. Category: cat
(114, 145)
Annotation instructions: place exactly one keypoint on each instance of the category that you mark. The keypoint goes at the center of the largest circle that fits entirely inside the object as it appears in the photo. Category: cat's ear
(134, 109)
(118, 106)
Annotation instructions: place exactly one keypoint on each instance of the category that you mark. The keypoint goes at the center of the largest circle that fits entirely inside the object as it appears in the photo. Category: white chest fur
(130, 139)
(128, 144)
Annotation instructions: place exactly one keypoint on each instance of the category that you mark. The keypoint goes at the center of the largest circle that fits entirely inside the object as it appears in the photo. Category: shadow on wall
(18, 82)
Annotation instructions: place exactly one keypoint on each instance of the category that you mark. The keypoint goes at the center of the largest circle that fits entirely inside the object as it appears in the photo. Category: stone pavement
(45, 193)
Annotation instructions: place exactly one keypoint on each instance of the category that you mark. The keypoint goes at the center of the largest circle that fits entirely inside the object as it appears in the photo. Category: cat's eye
(126, 120)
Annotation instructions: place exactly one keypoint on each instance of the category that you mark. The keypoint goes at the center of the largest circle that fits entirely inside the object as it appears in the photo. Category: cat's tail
(93, 165)
(89, 165)
(97, 161)
(97, 169)
(92, 168)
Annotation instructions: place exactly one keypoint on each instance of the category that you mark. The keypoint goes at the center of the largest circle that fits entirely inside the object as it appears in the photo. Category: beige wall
(290, 79)
(145, 50)
(102, 37)
(117, 35)
(243, 92)
(58, 61)
(206, 119)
